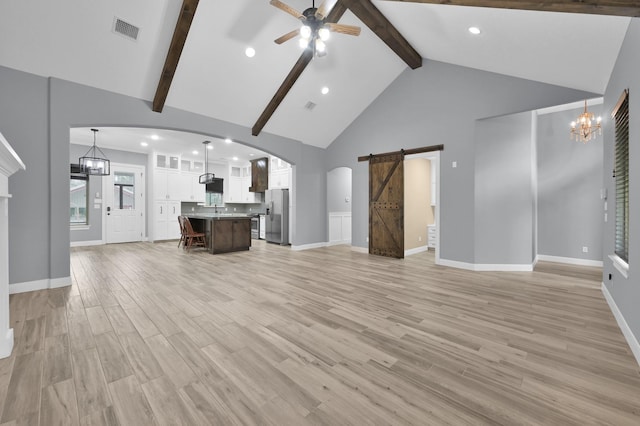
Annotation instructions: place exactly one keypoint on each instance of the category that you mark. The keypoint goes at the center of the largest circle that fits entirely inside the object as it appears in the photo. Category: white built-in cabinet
(166, 187)
(239, 183)
(191, 190)
(279, 174)
(166, 225)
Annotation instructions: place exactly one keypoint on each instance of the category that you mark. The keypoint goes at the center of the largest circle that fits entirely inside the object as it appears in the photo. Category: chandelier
(92, 163)
(586, 126)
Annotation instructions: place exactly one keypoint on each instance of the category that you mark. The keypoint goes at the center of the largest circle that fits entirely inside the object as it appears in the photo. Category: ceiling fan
(314, 30)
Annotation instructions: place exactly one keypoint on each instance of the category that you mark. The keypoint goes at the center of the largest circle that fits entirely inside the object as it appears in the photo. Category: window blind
(621, 173)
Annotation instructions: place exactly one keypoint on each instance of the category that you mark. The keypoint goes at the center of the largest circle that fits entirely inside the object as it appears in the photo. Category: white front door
(124, 208)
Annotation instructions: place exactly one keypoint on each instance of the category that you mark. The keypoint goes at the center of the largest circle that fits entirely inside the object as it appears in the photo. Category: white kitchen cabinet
(166, 220)
(167, 161)
(191, 190)
(166, 184)
(239, 183)
(279, 174)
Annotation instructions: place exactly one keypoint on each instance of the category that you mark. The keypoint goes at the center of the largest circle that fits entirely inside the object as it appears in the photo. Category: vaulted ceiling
(73, 40)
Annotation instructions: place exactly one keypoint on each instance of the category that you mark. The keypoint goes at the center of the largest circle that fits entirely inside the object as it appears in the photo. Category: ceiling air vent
(126, 29)
(310, 105)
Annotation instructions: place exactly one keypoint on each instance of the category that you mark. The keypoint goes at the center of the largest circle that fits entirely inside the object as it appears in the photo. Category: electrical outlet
(419, 237)
(585, 249)
(454, 164)
(193, 209)
(367, 239)
(234, 209)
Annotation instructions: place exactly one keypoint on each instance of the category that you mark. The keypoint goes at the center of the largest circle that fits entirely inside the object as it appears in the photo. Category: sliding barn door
(386, 205)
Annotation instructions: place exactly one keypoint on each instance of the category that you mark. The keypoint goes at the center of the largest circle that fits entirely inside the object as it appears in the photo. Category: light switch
(454, 164)
(97, 195)
(96, 206)
(347, 199)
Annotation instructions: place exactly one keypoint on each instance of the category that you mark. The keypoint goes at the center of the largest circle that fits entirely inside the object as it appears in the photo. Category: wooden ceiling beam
(336, 13)
(175, 50)
(596, 7)
(380, 25)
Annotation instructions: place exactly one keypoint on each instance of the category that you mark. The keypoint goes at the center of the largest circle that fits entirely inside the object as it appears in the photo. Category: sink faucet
(215, 208)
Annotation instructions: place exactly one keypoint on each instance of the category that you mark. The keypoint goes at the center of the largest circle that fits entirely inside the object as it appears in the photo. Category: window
(124, 191)
(621, 174)
(78, 189)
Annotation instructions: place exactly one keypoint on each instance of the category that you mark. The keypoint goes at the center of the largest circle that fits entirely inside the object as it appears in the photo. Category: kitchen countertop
(219, 216)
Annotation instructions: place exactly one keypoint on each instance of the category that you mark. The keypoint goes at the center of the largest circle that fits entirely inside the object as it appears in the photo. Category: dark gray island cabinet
(223, 233)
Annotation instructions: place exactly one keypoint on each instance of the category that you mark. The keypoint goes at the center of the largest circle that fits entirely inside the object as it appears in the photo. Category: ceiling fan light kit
(314, 30)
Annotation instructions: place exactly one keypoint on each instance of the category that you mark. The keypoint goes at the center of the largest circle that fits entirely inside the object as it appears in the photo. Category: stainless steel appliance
(263, 227)
(277, 217)
(255, 227)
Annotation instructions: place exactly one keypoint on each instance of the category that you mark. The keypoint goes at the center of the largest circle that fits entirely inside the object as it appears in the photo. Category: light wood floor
(149, 334)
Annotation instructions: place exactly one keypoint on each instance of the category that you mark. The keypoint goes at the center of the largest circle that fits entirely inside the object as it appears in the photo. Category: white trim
(360, 249)
(86, 243)
(308, 246)
(620, 265)
(455, 264)
(338, 243)
(6, 344)
(485, 267)
(569, 260)
(45, 284)
(5, 195)
(83, 227)
(535, 261)
(415, 250)
(632, 341)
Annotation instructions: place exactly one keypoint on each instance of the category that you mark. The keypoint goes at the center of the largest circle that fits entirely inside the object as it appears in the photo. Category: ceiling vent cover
(310, 105)
(126, 29)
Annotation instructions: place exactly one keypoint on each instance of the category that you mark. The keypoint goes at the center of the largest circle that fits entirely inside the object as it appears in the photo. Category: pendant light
(206, 177)
(91, 164)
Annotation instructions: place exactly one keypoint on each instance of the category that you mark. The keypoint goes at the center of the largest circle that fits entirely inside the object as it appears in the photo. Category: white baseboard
(622, 323)
(45, 284)
(569, 260)
(416, 250)
(338, 243)
(486, 267)
(6, 344)
(308, 246)
(86, 243)
(360, 249)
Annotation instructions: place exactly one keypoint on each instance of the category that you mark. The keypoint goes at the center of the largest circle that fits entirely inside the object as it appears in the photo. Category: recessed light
(235, 158)
(250, 155)
(228, 140)
(155, 137)
(194, 152)
(209, 146)
(474, 30)
(144, 144)
(250, 52)
(325, 90)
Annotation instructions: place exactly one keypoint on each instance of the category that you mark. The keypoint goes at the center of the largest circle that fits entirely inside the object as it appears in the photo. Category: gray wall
(438, 104)
(570, 211)
(338, 189)
(503, 192)
(37, 114)
(625, 292)
(23, 121)
(94, 233)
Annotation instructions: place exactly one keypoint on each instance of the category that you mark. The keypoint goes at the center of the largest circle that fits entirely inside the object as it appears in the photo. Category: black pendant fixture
(206, 177)
(93, 165)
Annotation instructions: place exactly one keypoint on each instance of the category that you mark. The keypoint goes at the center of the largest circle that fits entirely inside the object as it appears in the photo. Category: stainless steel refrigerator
(277, 218)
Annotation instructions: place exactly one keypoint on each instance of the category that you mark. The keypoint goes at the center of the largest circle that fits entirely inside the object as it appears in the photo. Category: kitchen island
(224, 233)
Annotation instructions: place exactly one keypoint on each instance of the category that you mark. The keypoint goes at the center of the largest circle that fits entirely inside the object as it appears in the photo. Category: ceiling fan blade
(344, 29)
(324, 9)
(286, 8)
(287, 36)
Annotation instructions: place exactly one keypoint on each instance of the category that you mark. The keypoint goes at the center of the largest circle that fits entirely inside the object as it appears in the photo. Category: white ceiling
(72, 40)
